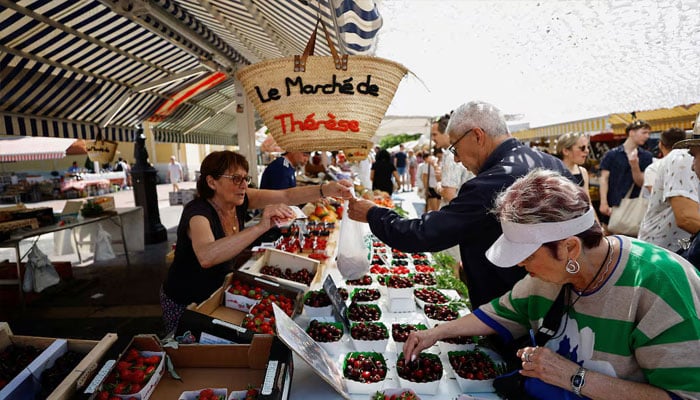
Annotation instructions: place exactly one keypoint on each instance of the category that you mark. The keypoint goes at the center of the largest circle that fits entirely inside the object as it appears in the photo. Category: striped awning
(660, 119)
(76, 69)
(33, 148)
(590, 125)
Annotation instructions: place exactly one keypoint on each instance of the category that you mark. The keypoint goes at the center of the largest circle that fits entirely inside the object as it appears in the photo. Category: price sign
(337, 301)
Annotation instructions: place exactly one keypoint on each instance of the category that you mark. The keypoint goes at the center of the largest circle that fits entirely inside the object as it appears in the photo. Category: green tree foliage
(393, 140)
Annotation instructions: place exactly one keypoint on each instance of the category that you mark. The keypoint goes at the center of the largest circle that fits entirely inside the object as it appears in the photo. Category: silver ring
(526, 356)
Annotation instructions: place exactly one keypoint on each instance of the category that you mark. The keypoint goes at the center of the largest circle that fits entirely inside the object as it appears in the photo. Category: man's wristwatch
(578, 380)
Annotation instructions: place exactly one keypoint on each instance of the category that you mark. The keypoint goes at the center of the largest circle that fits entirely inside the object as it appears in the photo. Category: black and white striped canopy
(82, 68)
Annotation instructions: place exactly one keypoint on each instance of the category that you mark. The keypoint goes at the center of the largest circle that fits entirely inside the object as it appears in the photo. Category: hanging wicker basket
(99, 150)
(329, 103)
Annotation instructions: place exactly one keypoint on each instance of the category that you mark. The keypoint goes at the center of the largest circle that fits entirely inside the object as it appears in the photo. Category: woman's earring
(572, 266)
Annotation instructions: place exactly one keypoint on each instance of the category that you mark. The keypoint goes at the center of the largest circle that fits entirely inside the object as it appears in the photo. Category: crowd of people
(606, 315)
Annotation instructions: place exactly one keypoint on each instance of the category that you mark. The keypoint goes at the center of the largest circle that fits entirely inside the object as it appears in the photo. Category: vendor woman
(629, 327)
(211, 231)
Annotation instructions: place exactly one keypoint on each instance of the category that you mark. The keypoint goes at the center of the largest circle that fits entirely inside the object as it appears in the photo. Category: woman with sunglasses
(573, 150)
(211, 231)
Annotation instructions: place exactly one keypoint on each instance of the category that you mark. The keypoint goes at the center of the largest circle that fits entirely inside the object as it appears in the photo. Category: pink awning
(31, 148)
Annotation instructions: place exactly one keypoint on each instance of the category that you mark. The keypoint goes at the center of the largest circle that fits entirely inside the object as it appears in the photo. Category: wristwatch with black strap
(578, 380)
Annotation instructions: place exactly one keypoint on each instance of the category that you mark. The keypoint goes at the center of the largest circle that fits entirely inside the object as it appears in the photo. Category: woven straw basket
(301, 121)
(102, 151)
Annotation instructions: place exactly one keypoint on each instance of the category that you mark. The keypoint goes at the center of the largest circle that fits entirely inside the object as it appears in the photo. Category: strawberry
(132, 355)
(102, 395)
(152, 360)
(138, 376)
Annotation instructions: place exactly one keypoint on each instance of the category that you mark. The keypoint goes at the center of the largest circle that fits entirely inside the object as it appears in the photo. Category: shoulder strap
(551, 322)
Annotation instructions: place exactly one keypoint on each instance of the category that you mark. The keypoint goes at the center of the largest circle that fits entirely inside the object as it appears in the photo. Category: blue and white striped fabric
(358, 22)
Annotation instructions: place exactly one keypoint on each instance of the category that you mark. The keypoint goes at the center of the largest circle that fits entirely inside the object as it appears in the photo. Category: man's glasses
(452, 146)
(237, 179)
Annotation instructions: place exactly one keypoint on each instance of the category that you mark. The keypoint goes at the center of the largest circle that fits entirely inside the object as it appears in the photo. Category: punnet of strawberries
(130, 375)
(400, 396)
(209, 394)
(261, 318)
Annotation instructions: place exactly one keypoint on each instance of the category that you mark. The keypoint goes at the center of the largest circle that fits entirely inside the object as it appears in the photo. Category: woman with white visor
(629, 326)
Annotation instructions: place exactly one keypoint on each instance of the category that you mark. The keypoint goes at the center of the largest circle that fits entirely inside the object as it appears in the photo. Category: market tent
(27, 148)
(588, 125)
(395, 125)
(76, 69)
(660, 119)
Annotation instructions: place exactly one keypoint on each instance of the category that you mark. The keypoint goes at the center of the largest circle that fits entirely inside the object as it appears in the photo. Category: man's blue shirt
(620, 179)
(279, 174)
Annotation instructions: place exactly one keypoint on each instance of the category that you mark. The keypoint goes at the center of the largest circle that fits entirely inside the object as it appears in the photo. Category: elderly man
(480, 140)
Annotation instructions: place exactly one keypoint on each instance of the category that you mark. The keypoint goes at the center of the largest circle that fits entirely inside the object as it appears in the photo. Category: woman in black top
(382, 171)
(211, 230)
(573, 150)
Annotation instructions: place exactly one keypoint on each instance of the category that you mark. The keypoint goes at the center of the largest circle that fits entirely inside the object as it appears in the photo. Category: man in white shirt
(453, 174)
(673, 213)
(175, 173)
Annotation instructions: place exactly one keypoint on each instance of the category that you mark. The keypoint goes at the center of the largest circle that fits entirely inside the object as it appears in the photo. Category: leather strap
(341, 62)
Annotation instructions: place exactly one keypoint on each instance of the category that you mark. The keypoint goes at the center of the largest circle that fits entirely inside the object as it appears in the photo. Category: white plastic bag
(103, 245)
(28, 279)
(43, 272)
(353, 254)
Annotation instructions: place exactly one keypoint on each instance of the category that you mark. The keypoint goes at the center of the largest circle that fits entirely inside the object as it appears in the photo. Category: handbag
(626, 218)
(690, 250)
(511, 386)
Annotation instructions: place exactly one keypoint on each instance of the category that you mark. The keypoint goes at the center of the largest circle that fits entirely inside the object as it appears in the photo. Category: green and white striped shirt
(642, 325)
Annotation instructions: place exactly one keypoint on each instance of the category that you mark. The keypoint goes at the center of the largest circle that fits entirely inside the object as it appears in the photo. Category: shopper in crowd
(453, 174)
(412, 168)
(122, 165)
(314, 166)
(666, 141)
(175, 173)
(74, 169)
(211, 231)
(573, 150)
(623, 166)
(382, 173)
(673, 214)
(431, 182)
(481, 142)
(281, 173)
(629, 326)
(425, 160)
(401, 164)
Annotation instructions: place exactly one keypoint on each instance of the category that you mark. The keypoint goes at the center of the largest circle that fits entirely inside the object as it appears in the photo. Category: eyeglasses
(452, 146)
(582, 148)
(237, 179)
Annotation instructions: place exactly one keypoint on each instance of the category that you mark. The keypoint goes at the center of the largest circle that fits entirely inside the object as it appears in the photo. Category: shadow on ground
(104, 297)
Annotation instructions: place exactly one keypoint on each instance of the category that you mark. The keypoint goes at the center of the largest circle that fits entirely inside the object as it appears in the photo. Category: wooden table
(17, 238)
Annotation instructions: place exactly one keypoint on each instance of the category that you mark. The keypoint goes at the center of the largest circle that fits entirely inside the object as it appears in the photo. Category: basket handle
(341, 62)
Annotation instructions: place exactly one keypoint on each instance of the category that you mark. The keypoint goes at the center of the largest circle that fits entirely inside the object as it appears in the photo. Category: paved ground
(102, 297)
(107, 296)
